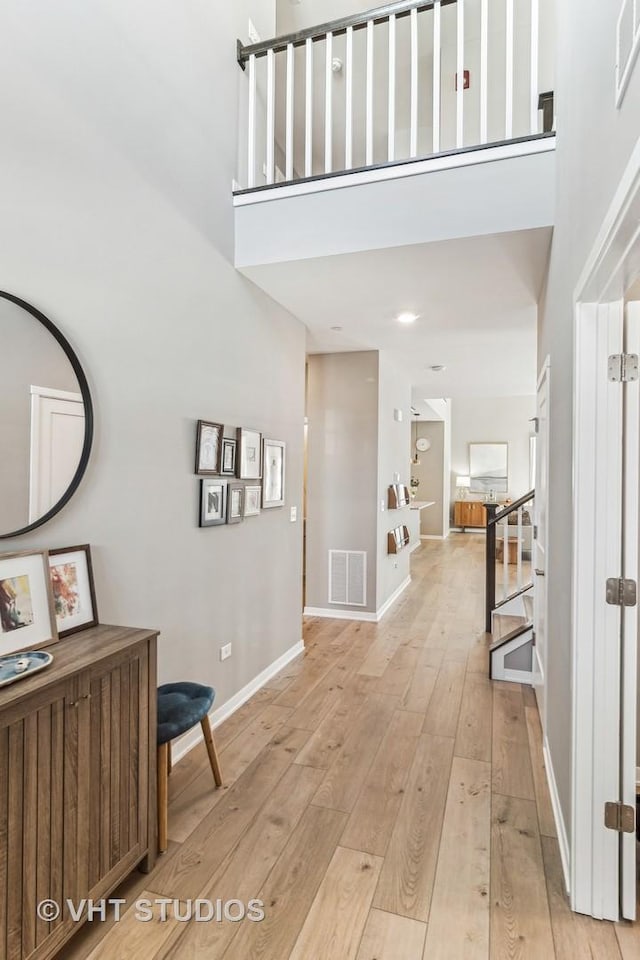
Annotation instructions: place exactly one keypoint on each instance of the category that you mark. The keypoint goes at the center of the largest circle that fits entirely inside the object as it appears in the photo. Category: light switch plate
(225, 652)
(294, 514)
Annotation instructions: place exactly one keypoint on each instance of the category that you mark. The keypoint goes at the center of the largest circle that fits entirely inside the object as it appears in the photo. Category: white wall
(394, 438)
(594, 144)
(493, 420)
(342, 468)
(119, 148)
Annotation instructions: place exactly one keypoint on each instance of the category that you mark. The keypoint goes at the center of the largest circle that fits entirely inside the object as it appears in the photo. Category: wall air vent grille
(348, 577)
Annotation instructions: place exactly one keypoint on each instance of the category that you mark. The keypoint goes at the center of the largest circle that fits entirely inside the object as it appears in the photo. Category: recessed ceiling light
(336, 328)
(407, 317)
(438, 367)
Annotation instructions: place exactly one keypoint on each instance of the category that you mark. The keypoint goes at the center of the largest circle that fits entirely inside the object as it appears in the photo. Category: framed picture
(235, 502)
(27, 618)
(208, 447)
(227, 465)
(488, 467)
(74, 595)
(273, 467)
(212, 502)
(252, 497)
(249, 453)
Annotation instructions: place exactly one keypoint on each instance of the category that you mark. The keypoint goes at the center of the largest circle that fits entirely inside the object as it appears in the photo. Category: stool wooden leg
(211, 750)
(169, 763)
(163, 798)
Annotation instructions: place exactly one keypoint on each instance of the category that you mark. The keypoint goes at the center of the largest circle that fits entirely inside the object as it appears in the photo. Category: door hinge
(623, 367)
(536, 423)
(620, 817)
(535, 531)
(621, 593)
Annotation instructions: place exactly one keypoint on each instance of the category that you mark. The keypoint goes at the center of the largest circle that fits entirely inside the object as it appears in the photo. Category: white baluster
(271, 117)
(508, 119)
(328, 106)
(414, 83)
(391, 138)
(348, 132)
(505, 558)
(308, 130)
(369, 120)
(437, 55)
(520, 544)
(251, 135)
(484, 70)
(460, 74)
(535, 53)
(289, 113)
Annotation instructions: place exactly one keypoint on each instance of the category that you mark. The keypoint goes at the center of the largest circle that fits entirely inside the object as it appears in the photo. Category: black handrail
(511, 507)
(493, 517)
(401, 8)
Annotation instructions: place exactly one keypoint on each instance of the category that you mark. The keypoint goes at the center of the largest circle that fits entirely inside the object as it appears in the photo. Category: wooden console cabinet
(77, 782)
(469, 513)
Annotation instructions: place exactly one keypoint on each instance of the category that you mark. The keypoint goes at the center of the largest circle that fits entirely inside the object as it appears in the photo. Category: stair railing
(509, 551)
(391, 85)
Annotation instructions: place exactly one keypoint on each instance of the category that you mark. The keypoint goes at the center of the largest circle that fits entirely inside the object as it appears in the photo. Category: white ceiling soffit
(476, 300)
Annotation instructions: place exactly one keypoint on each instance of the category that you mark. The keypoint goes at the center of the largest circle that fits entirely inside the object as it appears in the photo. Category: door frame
(545, 374)
(38, 394)
(594, 882)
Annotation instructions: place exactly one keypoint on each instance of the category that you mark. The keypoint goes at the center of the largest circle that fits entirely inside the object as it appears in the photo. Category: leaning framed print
(27, 617)
(74, 595)
(252, 497)
(227, 465)
(235, 502)
(249, 454)
(208, 445)
(273, 467)
(213, 502)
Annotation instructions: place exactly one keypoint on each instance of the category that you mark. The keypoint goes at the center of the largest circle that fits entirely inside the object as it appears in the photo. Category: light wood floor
(383, 799)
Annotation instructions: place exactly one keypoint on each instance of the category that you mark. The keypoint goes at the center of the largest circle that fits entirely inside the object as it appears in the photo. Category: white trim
(339, 614)
(376, 617)
(516, 676)
(623, 73)
(50, 394)
(415, 168)
(432, 536)
(415, 546)
(392, 599)
(620, 221)
(561, 829)
(186, 743)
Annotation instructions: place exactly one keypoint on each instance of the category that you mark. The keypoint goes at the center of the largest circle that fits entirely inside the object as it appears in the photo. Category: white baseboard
(392, 599)
(337, 614)
(563, 841)
(415, 546)
(184, 744)
(431, 536)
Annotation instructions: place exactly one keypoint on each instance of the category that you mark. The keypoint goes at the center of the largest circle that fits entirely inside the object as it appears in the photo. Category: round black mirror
(46, 418)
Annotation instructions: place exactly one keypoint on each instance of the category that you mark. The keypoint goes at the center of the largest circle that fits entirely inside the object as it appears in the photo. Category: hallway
(382, 798)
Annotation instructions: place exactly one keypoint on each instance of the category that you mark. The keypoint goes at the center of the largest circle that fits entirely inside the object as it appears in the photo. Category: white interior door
(57, 437)
(629, 625)
(540, 542)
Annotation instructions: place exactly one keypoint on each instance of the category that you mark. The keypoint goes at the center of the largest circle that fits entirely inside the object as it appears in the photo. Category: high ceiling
(476, 299)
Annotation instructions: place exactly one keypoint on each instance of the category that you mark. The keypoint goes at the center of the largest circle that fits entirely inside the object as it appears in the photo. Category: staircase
(509, 594)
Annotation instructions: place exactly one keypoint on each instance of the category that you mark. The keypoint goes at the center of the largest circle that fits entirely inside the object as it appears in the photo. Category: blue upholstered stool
(180, 707)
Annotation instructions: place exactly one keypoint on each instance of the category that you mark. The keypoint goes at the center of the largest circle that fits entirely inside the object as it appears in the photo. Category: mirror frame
(88, 415)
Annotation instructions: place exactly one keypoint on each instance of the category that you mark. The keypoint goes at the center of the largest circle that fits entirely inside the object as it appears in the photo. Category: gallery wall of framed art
(242, 473)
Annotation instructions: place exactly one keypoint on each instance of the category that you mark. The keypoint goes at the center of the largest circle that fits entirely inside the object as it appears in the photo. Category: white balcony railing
(402, 82)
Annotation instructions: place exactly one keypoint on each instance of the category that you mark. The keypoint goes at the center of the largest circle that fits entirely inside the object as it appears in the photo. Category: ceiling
(476, 300)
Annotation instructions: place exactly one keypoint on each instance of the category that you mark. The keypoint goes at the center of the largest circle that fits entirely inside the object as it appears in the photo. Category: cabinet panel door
(117, 755)
(38, 821)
